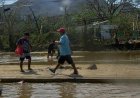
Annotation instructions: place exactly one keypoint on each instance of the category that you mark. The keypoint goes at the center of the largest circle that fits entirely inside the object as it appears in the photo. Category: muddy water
(81, 57)
(70, 90)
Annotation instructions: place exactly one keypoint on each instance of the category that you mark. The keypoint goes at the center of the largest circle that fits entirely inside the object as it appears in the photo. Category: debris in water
(21, 82)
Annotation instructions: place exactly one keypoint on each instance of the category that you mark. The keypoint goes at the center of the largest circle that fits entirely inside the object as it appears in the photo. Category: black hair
(26, 34)
(53, 41)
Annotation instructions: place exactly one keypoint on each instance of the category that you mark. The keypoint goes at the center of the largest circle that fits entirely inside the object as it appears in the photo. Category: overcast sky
(7, 1)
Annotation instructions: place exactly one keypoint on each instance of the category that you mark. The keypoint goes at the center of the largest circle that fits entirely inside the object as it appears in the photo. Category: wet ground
(71, 90)
(115, 65)
(80, 57)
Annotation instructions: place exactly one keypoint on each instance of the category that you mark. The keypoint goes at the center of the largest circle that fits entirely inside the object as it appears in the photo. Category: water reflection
(71, 90)
(10, 91)
(25, 90)
(45, 91)
(68, 90)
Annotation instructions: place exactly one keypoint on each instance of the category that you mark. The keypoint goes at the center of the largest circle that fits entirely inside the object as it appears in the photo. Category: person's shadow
(73, 76)
(30, 72)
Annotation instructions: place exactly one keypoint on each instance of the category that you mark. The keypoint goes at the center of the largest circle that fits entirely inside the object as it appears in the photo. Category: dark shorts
(67, 58)
(25, 55)
(51, 51)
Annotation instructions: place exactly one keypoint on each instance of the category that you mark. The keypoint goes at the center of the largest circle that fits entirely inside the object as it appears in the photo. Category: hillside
(49, 7)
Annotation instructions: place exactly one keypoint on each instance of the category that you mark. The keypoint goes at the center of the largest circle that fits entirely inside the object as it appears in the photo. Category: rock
(92, 67)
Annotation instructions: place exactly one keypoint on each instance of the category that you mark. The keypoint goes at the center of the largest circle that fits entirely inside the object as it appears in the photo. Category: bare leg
(48, 56)
(21, 66)
(57, 66)
(75, 69)
(53, 70)
(29, 64)
(51, 56)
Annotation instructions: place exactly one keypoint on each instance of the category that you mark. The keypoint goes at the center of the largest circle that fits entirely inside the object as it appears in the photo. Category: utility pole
(35, 19)
(8, 24)
(34, 16)
(65, 17)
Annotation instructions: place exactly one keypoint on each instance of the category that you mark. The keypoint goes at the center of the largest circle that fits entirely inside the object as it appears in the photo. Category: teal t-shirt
(64, 47)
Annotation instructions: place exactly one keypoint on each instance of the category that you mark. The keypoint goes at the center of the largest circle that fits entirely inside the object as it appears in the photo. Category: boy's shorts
(25, 55)
(51, 51)
(67, 58)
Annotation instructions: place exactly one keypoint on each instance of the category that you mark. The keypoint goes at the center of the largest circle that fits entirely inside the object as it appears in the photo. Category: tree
(84, 18)
(107, 9)
(9, 21)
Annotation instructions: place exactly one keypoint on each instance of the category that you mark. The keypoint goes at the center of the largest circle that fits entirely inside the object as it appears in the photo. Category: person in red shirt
(26, 46)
